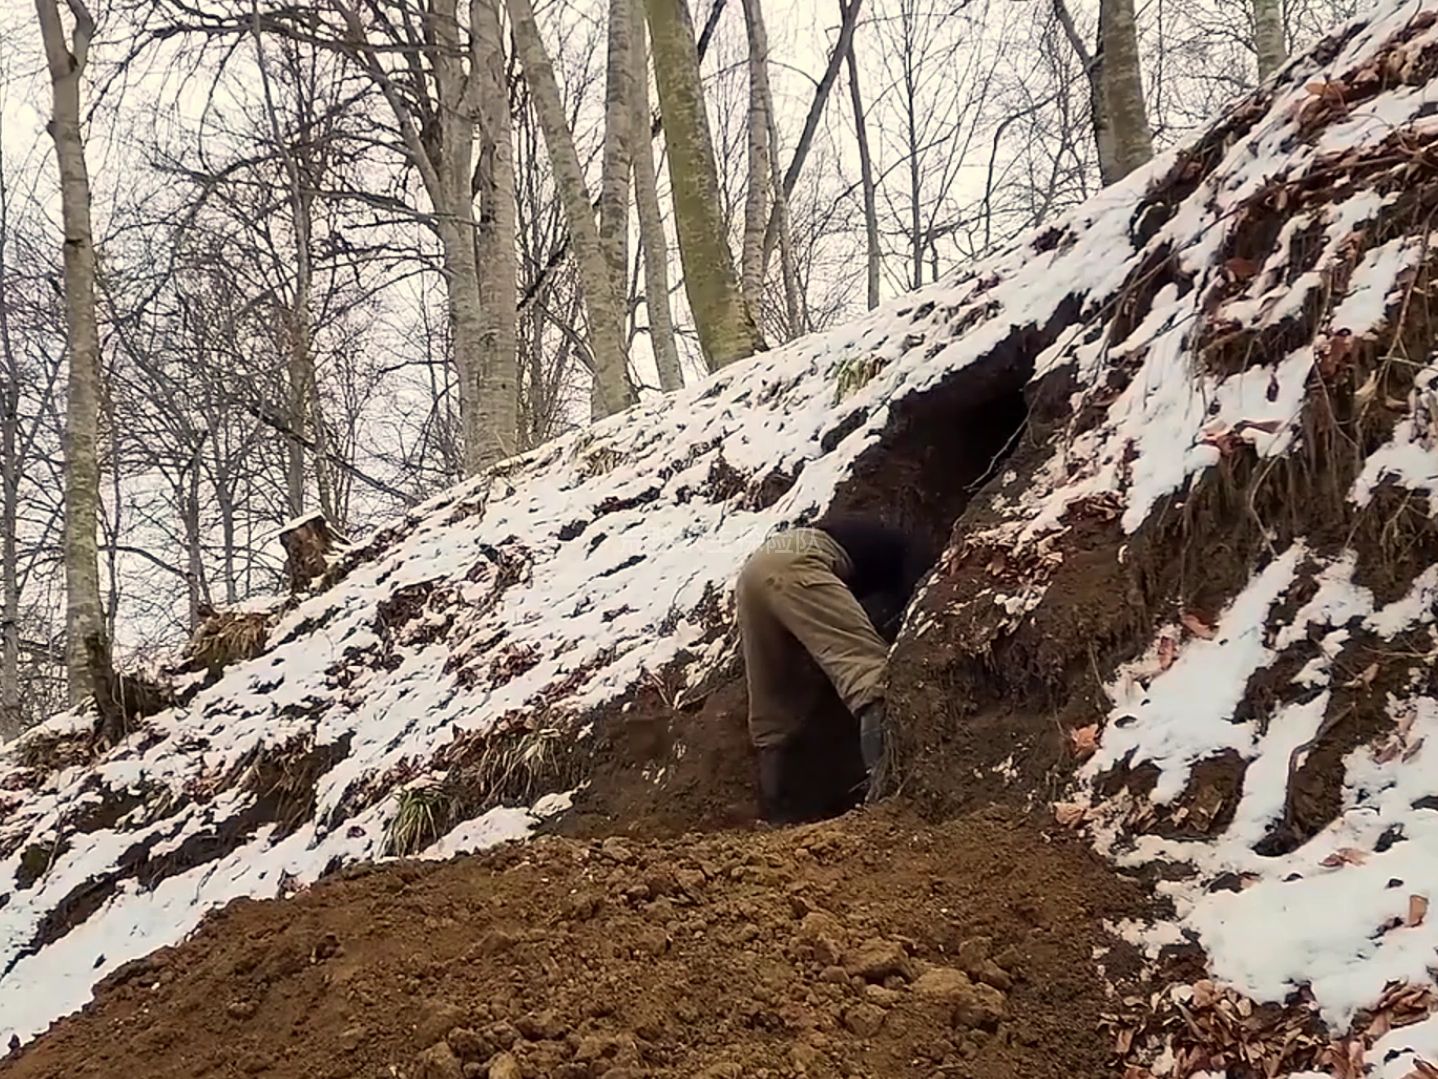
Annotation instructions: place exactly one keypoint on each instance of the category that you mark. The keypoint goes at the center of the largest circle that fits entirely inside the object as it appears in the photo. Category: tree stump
(308, 542)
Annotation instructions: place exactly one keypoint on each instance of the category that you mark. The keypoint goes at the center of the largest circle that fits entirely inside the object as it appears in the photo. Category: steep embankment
(1187, 434)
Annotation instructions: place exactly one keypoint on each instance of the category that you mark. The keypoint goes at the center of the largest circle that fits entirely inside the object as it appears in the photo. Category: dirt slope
(829, 950)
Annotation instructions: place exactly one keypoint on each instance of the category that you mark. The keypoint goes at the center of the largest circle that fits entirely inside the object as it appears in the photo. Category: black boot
(776, 803)
(874, 748)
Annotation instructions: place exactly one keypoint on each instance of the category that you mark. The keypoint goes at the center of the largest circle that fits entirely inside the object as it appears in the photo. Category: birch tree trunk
(443, 155)
(651, 221)
(779, 219)
(866, 173)
(614, 180)
(1098, 106)
(10, 716)
(1122, 87)
(1268, 36)
(843, 47)
(726, 331)
(498, 264)
(300, 365)
(604, 310)
(756, 199)
(618, 110)
(84, 625)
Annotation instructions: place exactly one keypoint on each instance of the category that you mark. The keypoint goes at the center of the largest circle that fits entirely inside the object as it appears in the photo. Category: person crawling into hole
(814, 603)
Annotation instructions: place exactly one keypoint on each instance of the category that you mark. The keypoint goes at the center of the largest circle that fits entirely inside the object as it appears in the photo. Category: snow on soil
(556, 583)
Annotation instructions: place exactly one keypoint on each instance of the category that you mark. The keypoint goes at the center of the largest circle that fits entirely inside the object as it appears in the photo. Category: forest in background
(261, 260)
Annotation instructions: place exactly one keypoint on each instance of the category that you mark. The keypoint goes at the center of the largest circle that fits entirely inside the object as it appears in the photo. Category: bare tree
(651, 220)
(494, 180)
(1118, 112)
(726, 329)
(1268, 36)
(612, 388)
(436, 107)
(866, 166)
(756, 199)
(84, 622)
(10, 467)
(1123, 88)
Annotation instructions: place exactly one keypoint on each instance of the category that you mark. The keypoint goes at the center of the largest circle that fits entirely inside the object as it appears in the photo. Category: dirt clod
(864, 1019)
(878, 960)
(437, 1062)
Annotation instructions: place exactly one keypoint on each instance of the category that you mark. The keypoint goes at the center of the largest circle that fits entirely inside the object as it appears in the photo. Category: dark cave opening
(939, 448)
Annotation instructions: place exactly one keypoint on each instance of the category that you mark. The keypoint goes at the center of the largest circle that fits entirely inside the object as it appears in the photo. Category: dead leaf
(1345, 856)
(1268, 427)
(1205, 992)
(1197, 626)
(1417, 910)
(1334, 353)
(1083, 741)
(1380, 1026)
(1241, 268)
(1167, 652)
(1069, 814)
(1363, 678)
(1422, 1070)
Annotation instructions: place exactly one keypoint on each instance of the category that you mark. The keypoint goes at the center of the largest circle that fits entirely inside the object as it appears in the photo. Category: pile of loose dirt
(872, 945)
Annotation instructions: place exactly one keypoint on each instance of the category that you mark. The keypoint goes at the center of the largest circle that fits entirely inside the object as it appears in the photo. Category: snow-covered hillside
(1199, 308)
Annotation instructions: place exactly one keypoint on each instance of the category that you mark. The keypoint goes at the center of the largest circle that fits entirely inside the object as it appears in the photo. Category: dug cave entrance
(939, 448)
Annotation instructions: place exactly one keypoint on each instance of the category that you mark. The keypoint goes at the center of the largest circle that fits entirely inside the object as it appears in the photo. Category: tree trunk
(1121, 84)
(618, 108)
(866, 174)
(756, 199)
(614, 177)
(788, 275)
(443, 157)
(308, 544)
(651, 220)
(726, 332)
(843, 46)
(300, 363)
(195, 586)
(10, 716)
(498, 265)
(613, 391)
(779, 219)
(84, 627)
(1268, 36)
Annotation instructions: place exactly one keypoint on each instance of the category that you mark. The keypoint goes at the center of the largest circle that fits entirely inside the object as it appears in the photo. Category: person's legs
(805, 593)
(772, 658)
(792, 600)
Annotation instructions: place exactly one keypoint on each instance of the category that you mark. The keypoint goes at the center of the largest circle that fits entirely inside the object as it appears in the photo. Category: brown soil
(825, 950)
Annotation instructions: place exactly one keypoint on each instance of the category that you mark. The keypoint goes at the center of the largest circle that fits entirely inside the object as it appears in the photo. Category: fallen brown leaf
(1197, 626)
(1069, 814)
(1241, 268)
(1417, 910)
(1083, 741)
(1422, 1070)
(1167, 652)
(1345, 856)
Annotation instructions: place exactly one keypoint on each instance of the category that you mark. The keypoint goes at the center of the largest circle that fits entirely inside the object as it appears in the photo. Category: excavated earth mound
(870, 946)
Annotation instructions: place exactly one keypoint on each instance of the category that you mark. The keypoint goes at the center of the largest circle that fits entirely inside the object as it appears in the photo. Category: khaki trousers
(799, 624)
